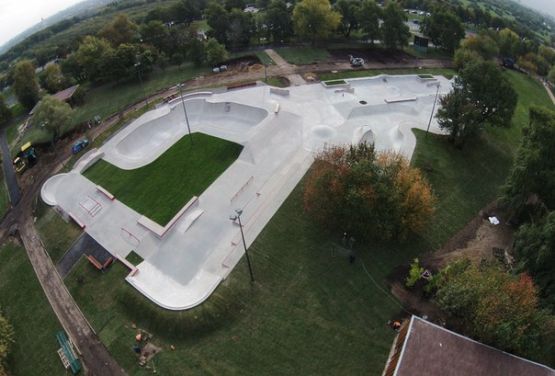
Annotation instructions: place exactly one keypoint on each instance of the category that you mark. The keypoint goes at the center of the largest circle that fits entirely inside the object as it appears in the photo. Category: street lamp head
(239, 212)
(233, 217)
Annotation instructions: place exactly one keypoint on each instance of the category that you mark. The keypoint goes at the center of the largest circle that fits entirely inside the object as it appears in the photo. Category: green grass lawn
(4, 197)
(446, 72)
(108, 99)
(303, 55)
(26, 307)
(161, 188)
(56, 234)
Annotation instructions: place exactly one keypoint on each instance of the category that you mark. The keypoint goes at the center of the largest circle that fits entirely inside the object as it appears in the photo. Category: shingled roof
(423, 348)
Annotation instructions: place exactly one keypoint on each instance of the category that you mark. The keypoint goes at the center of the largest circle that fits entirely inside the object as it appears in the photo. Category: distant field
(26, 307)
(303, 55)
(161, 188)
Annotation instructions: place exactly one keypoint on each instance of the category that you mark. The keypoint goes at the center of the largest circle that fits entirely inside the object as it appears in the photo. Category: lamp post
(138, 66)
(433, 109)
(180, 87)
(237, 217)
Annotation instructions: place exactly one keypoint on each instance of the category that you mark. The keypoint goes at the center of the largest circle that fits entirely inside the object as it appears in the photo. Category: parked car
(356, 61)
(79, 145)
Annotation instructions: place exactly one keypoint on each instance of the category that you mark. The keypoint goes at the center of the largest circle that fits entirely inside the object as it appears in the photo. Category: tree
(25, 85)
(52, 78)
(348, 10)
(444, 29)
(196, 52)
(94, 56)
(52, 114)
(395, 33)
(531, 183)
(534, 248)
(157, 34)
(315, 20)
(465, 56)
(5, 112)
(187, 11)
(551, 75)
(481, 95)
(369, 195)
(368, 19)
(217, 19)
(497, 308)
(215, 52)
(482, 44)
(508, 43)
(7, 340)
(278, 21)
(240, 28)
(120, 30)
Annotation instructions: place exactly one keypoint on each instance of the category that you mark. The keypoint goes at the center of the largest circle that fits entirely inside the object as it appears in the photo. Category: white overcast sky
(18, 15)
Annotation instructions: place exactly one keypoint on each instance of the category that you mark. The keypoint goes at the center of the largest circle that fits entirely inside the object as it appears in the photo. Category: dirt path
(549, 92)
(94, 355)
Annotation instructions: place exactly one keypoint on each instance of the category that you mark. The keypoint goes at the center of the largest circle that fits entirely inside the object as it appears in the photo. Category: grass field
(446, 72)
(26, 307)
(303, 55)
(4, 197)
(161, 188)
(309, 312)
(56, 234)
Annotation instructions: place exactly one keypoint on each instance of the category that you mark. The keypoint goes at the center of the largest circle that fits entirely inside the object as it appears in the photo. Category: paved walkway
(549, 92)
(9, 173)
(288, 69)
(84, 245)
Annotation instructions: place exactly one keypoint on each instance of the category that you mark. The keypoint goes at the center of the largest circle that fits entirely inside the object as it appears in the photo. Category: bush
(415, 272)
(367, 194)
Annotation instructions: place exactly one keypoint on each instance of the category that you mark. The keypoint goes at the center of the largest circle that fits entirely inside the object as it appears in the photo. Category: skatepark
(279, 129)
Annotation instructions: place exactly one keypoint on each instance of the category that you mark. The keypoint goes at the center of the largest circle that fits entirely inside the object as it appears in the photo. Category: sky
(18, 15)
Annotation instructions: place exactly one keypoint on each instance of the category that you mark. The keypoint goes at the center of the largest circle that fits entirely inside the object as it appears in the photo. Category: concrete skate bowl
(49, 189)
(319, 136)
(403, 109)
(149, 139)
(391, 86)
(382, 137)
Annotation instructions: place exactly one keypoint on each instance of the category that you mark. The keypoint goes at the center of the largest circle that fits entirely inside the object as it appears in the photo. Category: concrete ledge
(105, 192)
(279, 91)
(399, 100)
(129, 265)
(276, 108)
(76, 220)
(159, 230)
(197, 94)
(87, 160)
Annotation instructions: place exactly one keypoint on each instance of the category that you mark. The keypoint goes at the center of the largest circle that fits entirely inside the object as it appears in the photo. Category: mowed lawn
(160, 189)
(23, 302)
(310, 312)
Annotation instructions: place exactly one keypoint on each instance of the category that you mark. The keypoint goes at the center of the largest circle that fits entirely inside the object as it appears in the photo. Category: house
(65, 95)
(427, 349)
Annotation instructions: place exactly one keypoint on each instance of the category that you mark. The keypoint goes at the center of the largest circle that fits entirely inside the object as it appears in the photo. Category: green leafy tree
(7, 340)
(348, 10)
(120, 30)
(315, 20)
(415, 273)
(218, 20)
(196, 52)
(94, 56)
(52, 115)
(157, 34)
(187, 11)
(444, 29)
(368, 18)
(25, 84)
(240, 28)
(497, 308)
(52, 79)
(531, 183)
(370, 195)
(5, 112)
(481, 96)
(278, 21)
(465, 56)
(395, 33)
(508, 42)
(551, 75)
(215, 52)
(482, 44)
(534, 248)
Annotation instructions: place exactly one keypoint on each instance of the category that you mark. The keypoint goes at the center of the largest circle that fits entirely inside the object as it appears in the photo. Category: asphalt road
(9, 172)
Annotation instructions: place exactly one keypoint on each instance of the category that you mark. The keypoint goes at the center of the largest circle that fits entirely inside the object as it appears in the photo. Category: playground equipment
(26, 158)
(67, 354)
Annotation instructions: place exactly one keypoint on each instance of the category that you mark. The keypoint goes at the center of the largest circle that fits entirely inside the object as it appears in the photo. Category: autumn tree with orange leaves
(497, 308)
(367, 194)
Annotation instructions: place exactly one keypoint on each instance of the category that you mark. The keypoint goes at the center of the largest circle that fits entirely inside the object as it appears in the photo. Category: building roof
(65, 94)
(429, 349)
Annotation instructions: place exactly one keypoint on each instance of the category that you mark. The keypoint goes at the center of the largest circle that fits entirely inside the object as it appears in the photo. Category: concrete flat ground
(280, 130)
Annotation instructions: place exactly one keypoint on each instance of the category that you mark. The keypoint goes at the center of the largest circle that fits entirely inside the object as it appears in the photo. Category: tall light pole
(237, 217)
(180, 87)
(433, 109)
(138, 66)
